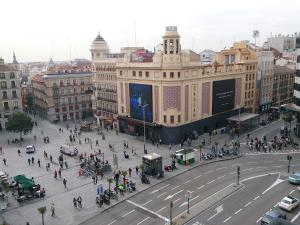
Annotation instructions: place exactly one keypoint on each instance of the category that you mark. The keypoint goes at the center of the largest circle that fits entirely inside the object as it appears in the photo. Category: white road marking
(267, 161)
(235, 165)
(211, 181)
(175, 187)
(185, 203)
(261, 167)
(278, 166)
(161, 194)
(258, 220)
(255, 198)
(221, 177)
(291, 192)
(237, 211)
(227, 219)
(176, 200)
(253, 162)
(200, 187)
(208, 172)
(276, 204)
(248, 204)
(143, 221)
(187, 181)
(295, 217)
(171, 196)
(197, 177)
(147, 202)
(247, 169)
(159, 189)
(278, 181)
(161, 209)
(128, 213)
(112, 222)
(218, 210)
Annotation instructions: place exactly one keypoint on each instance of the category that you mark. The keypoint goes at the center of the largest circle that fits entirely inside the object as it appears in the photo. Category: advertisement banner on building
(141, 95)
(223, 95)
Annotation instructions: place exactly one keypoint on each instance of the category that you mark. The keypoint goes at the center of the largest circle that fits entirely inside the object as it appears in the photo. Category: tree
(124, 174)
(109, 180)
(19, 122)
(200, 146)
(42, 211)
(142, 167)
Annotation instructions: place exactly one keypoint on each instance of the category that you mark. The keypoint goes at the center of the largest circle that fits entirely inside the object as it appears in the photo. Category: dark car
(271, 216)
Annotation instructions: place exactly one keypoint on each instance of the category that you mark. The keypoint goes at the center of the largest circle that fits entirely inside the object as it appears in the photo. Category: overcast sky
(39, 29)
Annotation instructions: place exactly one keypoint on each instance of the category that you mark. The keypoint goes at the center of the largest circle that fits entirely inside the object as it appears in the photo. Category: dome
(99, 38)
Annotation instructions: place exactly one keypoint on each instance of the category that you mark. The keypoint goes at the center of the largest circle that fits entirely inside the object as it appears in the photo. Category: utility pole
(238, 175)
(289, 158)
(144, 117)
(171, 206)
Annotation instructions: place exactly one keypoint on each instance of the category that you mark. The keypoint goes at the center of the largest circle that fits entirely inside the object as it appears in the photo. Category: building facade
(63, 95)
(10, 96)
(283, 85)
(283, 43)
(176, 95)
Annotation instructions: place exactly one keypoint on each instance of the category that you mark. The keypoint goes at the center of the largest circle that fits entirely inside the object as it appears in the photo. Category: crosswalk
(273, 152)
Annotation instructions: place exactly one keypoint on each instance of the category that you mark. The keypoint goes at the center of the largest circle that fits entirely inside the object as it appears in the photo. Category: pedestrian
(96, 179)
(19, 152)
(55, 174)
(65, 182)
(42, 132)
(4, 161)
(59, 172)
(32, 160)
(39, 162)
(52, 210)
(101, 174)
(93, 177)
(34, 138)
(137, 170)
(129, 171)
(79, 200)
(51, 158)
(75, 202)
(27, 223)
(29, 161)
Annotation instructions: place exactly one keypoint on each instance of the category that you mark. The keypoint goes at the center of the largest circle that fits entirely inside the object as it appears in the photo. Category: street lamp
(144, 117)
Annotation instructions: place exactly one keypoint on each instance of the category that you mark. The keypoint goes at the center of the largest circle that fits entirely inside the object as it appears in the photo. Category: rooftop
(282, 70)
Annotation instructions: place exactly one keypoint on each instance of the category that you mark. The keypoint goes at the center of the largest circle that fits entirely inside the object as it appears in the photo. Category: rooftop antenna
(255, 35)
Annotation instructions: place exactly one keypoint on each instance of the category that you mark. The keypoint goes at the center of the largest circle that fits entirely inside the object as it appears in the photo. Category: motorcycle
(145, 179)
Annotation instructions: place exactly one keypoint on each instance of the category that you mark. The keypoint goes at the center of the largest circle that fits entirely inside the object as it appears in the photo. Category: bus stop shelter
(244, 121)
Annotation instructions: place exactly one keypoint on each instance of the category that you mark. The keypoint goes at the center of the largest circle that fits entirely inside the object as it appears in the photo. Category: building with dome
(179, 95)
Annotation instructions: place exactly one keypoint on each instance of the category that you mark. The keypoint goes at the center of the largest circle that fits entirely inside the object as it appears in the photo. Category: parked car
(294, 178)
(288, 203)
(30, 149)
(270, 216)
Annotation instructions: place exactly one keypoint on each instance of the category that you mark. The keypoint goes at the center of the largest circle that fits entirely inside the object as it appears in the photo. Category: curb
(130, 196)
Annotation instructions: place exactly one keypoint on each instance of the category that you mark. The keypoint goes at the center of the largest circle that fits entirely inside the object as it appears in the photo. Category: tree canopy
(19, 122)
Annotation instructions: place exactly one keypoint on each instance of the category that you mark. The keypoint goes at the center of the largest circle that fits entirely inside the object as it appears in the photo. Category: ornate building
(10, 92)
(177, 95)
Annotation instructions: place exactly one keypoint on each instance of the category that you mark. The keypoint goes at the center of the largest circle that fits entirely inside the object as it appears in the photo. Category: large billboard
(223, 95)
(140, 95)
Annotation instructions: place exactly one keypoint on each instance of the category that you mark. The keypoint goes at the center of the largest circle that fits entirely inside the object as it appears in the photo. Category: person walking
(79, 200)
(94, 179)
(32, 160)
(29, 161)
(59, 172)
(55, 174)
(4, 161)
(137, 170)
(51, 158)
(65, 182)
(19, 152)
(75, 202)
(129, 171)
(39, 162)
(52, 210)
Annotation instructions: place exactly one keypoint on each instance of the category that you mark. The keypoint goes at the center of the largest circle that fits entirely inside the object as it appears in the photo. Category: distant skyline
(64, 30)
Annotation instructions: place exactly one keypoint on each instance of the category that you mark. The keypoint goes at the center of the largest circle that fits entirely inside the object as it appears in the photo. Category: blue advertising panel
(140, 95)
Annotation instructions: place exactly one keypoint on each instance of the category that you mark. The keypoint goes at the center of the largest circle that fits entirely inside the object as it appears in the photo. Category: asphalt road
(152, 205)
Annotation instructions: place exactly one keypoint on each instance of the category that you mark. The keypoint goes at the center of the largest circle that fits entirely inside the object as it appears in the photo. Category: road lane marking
(258, 220)
(276, 204)
(224, 167)
(237, 211)
(161, 209)
(227, 219)
(161, 194)
(126, 214)
(147, 202)
(185, 203)
(159, 189)
(143, 221)
(112, 222)
(175, 187)
(221, 177)
(176, 200)
(197, 177)
(256, 198)
(247, 169)
(248, 204)
(295, 217)
(208, 172)
(267, 161)
(187, 181)
(278, 166)
(278, 181)
(261, 167)
(171, 196)
(253, 162)
(291, 192)
(200, 187)
(211, 181)
(218, 210)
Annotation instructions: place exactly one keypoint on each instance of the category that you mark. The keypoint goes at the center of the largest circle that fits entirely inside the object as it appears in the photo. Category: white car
(289, 203)
(30, 149)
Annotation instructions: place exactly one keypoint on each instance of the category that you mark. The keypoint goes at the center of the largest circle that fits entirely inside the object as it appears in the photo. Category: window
(246, 85)
(140, 73)
(81, 82)
(2, 75)
(14, 94)
(75, 99)
(122, 109)
(252, 76)
(70, 99)
(68, 82)
(70, 107)
(165, 74)
(172, 75)
(178, 74)
(171, 46)
(4, 94)
(61, 83)
(253, 85)
(62, 91)
(246, 77)
(121, 72)
(134, 73)
(171, 119)
(12, 75)
(165, 119)
(179, 119)
(3, 84)
(83, 105)
(5, 106)
(82, 89)
(15, 104)
(147, 74)
(76, 107)
(74, 82)
(56, 110)
(247, 67)
(74, 90)
(13, 84)
(165, 46)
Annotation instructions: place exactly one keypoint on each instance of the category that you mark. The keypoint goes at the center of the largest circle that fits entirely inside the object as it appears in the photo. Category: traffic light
(289, 157)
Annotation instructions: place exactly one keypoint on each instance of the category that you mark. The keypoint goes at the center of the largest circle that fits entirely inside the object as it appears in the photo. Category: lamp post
(144, 117)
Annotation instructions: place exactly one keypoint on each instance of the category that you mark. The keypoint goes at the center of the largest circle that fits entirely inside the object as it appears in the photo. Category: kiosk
(152, 163)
